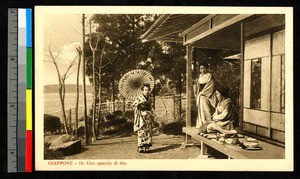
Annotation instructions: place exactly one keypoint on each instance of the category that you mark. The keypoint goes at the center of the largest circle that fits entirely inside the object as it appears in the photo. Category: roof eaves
(160, 20)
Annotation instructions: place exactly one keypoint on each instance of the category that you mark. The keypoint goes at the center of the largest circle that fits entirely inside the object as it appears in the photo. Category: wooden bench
(234, 151)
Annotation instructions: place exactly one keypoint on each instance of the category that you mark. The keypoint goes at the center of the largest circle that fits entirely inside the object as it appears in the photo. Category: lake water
(52, 102)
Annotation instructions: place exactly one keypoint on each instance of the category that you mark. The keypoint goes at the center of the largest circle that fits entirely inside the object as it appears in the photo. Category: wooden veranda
(254, 37)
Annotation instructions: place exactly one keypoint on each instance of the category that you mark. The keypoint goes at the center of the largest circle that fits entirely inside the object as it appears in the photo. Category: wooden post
(188, 86)
(188, 91)
(203, 151)
(270, 87)
(188, 94)
(242, 78)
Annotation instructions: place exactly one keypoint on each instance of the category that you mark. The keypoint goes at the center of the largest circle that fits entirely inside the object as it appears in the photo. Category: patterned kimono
(205, 98)
(143, 119)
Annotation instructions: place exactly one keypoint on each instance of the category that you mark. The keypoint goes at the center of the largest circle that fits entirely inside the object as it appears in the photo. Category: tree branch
(110, 62)
(70, 73)
(98, 39)
(76, 32)
(101, 56)
(90, 43)
(60, 49)
(79, 50)
(54, 61)
(47, 55)
(70, 66)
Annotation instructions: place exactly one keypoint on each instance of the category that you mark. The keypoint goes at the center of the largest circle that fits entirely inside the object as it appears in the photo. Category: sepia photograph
(163, 88)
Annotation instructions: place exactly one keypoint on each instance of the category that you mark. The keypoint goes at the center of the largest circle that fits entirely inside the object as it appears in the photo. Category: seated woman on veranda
(221, 119)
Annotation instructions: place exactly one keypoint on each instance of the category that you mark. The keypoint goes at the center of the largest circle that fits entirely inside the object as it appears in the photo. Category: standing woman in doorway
(205, 95)
(143, 119)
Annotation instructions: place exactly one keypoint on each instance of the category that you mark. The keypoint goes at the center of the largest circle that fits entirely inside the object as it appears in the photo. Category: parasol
(131, 82)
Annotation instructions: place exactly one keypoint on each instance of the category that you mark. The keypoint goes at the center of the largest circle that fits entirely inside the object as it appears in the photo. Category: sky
(59, 29)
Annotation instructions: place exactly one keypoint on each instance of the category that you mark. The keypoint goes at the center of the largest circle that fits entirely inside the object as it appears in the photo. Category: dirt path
(164, 147)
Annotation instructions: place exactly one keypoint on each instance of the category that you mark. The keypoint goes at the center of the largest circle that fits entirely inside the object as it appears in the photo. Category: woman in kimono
(143, 119)
(222, 118)
(205, 96)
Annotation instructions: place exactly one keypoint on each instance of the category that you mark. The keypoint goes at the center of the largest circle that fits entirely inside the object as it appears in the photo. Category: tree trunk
(99, 98)
(100, 88)
(63, 97)
(87, 129)
(62, 101)
(95, 97)
(94, 81)
(70, 119)
(77, 93)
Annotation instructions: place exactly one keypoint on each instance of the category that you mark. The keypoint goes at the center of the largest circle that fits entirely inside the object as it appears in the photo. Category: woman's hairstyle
(204, 64)
(145, 85)
(223, 90)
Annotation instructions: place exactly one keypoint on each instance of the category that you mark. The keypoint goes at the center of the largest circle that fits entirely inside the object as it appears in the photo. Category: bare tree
(100, 82)
(79, 51)
(61, 81)
(86, 122)
(94, 49)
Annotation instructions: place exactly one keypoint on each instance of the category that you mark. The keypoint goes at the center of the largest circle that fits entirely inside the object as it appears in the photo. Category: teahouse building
(260, 40)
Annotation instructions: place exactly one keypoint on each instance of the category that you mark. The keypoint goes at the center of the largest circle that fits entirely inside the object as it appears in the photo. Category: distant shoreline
(70, 88)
